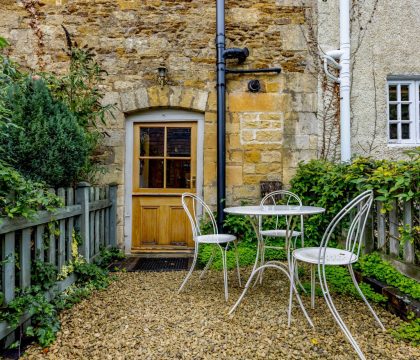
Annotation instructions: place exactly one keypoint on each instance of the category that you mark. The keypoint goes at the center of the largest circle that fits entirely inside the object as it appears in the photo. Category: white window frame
(414, 111)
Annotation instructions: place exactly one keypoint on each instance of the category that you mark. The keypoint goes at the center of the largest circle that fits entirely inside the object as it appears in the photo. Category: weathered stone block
(128, 101)
(200, 100)
(234, 175)
(243, 102)
(142, 98)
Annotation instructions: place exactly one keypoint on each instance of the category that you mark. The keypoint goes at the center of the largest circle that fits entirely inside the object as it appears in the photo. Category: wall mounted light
(162, 75)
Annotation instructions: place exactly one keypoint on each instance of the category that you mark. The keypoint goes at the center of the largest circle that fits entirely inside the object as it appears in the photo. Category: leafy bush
(329, 185)
(47, 144)
(109, 255)
(21, 197)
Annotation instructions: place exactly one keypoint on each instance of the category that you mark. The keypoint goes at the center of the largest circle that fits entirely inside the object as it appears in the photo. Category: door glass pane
(392, 92)
(405, 112)
(178, 174)
(405, 131)
(179, 142)
(151, 173)
(152, 141)
(405, 94)
(393, 131)
(393, 112)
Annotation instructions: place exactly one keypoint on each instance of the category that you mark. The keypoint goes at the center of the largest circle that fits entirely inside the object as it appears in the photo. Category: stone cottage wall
(268, 133)
(384, 42)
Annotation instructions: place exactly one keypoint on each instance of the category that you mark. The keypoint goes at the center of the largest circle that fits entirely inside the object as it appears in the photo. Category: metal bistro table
(291, 212)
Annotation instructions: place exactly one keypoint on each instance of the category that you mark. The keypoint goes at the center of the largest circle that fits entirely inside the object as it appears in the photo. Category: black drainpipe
(221, 112)
(222, 55)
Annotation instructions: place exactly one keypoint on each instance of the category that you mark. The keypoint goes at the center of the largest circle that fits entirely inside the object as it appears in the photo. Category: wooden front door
(165, 166)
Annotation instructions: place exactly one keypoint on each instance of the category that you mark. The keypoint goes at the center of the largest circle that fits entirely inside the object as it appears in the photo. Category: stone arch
(177, 97)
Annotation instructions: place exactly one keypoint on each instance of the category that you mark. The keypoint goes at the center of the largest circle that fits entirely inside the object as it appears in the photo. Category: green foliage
(44, 321)
(47, 144)
(340, 282)
(329, 185)
(80, 89)
(409, 331)
(109, 255)
(43, 274)
(91, 273)
(22, 197)
(372, 265)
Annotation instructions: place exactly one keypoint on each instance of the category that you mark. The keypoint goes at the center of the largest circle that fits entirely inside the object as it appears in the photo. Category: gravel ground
(140, 316)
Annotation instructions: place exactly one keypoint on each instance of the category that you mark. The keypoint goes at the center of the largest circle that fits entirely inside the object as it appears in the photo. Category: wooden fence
(88, 212)
(384, 234)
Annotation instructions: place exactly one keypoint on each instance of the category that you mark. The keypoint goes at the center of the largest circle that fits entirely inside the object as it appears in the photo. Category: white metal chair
(197, 212)
(356, 212)
(279, 197)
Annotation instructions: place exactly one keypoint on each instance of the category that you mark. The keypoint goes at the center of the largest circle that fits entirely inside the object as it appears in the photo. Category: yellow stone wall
(268, 133)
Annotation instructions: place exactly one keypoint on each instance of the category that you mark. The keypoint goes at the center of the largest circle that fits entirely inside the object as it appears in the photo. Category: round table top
(274, 210)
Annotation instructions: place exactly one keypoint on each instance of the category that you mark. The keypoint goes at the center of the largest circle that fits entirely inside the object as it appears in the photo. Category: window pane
(393, 131)
(393, 112)
(178, 174)
(405, 93)
(151, 173)
(392, 92)
(152, 141)
(179, 142)
(405, 131)
(405, 112)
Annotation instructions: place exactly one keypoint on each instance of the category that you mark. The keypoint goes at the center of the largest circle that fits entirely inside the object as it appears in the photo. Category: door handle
(193, 181)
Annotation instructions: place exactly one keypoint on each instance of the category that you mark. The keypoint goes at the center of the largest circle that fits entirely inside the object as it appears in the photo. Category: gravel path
(140, 316)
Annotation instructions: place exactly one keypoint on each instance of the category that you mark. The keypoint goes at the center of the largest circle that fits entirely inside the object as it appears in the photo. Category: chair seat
(333, 256)
(278, 233)
(215, 238)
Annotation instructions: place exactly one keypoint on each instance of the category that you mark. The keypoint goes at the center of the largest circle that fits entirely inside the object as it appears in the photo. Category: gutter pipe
(343, 55)
(221, 112)
(240, 54)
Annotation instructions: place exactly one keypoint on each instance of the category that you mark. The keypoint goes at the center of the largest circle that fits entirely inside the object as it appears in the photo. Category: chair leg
(262, 262)
(191, 269)
(208, 263)
(297, 280)
(334, 312)
(237, 263)
(292, 277)
(225, 277)
(312, 286)
(364, 298)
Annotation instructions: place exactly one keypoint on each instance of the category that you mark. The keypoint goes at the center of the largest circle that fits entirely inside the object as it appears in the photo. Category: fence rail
(395, 234)
(89, 212)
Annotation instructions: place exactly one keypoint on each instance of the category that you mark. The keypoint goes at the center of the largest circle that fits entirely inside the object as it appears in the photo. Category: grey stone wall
(385, 44)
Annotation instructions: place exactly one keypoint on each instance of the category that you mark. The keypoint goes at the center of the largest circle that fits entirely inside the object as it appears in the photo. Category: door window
(163, 157)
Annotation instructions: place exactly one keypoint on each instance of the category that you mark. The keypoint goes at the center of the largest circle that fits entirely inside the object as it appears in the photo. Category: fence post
(408, 222)
(8, 268)
(394, 237)
(381, 228)
(113, 214)
(82, 198)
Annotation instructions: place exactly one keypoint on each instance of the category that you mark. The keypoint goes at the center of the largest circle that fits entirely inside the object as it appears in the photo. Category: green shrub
(47, 143)
(22, 197)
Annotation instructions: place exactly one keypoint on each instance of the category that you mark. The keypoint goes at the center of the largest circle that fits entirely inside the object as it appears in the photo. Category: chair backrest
(281, 197)
(198, 211)
(356, 212)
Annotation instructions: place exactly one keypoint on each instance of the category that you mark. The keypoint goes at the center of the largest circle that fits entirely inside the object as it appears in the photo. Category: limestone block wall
(384, 42)
(268, 133)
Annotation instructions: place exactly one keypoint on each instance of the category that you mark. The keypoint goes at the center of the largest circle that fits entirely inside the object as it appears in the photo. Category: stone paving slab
(140, 316)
